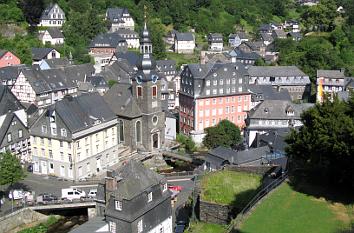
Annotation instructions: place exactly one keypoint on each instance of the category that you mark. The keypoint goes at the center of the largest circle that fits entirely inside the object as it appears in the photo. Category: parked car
(44, 198)
(72, 194)
(18, 194)
(92, 193)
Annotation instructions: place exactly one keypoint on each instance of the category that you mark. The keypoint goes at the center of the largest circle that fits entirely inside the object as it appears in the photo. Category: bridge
(171, 155)
(67, 205)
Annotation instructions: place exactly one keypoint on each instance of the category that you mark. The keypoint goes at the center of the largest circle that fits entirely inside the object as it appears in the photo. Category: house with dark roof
(236, 39)
(52, 16)
(279, 34)
(7, 58)
(9, 74)
(99, 83)
(134, 198)
(297, 36)
(247, 58)
(219, 157)
(284, 77)
(103, 46)
(215, 41)
(38, 54)
(273, 114)
(265, 28)
(75, 138)
(14, 136)
(119, 18)
(137, 102)
(259, 93)
(184, 42)
(266, 38)
(253, 46)
(52, 36)
(210, 93)
(53, 63)
(130, 36)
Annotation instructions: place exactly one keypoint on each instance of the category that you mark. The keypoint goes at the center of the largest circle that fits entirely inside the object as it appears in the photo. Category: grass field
(286, 210)
(228, 187)
(202, 227)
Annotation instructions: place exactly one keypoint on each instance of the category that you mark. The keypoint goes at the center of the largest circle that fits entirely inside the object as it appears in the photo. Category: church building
(138, 104)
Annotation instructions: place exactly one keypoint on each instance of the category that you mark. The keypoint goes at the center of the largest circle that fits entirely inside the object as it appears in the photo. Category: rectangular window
(50, 154)
(208, 83)
(61, 143)
(215, 82)
(9, 137)
(164, 189)
(62, 156)
(150, 197)
(118, 205)
(240, 81)
(20, 133)
(207, 92)
(42, 141)
(54, 131)
(43, 152)
(88, 168)
(44, 129)
(214, 91)
(154, 91)
(140, 226)
(139, 91)
(63, 133)
(221, 82)
(214, 101)
(112, 227)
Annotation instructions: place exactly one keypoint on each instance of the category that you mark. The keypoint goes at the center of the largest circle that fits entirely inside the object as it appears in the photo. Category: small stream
(66, 224)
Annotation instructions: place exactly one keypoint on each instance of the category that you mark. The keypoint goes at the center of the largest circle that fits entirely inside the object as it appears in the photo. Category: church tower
(146, 89)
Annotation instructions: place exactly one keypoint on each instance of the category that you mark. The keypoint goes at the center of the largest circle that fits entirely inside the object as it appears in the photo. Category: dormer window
(118, 205)
(149, 196)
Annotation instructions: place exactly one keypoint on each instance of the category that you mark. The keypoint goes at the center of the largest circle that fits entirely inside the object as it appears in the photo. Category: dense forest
(328, 44)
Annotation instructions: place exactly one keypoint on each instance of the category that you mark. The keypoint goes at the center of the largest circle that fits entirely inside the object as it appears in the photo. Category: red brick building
(211, 93)
(8, 59)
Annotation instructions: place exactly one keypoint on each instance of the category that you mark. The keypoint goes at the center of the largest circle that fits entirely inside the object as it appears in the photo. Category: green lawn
(286, 210)
(229, 187)
(202, 227)
(183, 58)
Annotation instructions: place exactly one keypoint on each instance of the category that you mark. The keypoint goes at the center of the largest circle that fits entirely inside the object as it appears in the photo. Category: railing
(263, 192)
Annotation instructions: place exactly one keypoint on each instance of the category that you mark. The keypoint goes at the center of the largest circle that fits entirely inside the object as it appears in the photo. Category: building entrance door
(155, 140)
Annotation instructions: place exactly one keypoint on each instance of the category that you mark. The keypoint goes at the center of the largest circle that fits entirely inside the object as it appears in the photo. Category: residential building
(266, 38)
(294, 35)
(259, 93)
(52, 16)
(9, 74)
(52, 36)
(103, 46)
(134, 198)
(99, 83)
(265, 28)
(279, 34)
(184, 42)
(170, 37)
(211, 93)
(75, 138)
(39, 54)
(14, 136)
(119, 18)
(54, 63)
(271, 115)
(331, 82)
(308, 2)
(8, 59)
(253, 46)
(247, 58)
(215, 41)
(167, 68)
(138, 104)
(292, 25)
(217, 158)
(283, 77)
(236, 39)
(130, 36)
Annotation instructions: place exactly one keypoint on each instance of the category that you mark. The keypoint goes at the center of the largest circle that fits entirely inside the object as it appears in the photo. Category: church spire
(145, 41)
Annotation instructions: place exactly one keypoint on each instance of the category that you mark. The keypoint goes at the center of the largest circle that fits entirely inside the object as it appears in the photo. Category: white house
(130, 36)
(52, 16)
(184, 42)
(38, 54)
(119, 18)
(215, 41)
(52, 36)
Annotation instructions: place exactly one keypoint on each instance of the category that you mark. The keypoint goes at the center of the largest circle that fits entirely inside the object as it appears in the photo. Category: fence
(263, 192)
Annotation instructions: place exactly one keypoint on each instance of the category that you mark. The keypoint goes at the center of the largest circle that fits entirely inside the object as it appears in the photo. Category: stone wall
(214, 213)
(20, 217)
(260, 170)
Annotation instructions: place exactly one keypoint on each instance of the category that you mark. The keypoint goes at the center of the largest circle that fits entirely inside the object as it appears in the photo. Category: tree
(223, 134)
(186, 142)
(325, 142)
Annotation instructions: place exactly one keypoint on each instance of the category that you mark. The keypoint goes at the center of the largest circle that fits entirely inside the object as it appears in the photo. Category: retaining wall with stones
(214, 213)
(260, 170)
(20, 217)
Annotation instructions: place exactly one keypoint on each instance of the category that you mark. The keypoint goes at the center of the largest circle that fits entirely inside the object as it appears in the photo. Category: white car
(19, 194)
(92, 193)
(72, 193)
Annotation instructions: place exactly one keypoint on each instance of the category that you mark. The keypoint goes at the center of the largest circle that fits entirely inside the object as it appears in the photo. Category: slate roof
(40, 53)
(215, 37)
(265, 27)
(96, 224)
(106, 40)
(135, 179)
(254, 45)
(330, 73)
(276, 109)
(5, 122)
(296, 35)
(45, 14)
(184, 36)
(57, 62)
(77, 73)
(130, 56)
(242, 35)
(10, 72)
(269, 93)
(266, 37)
(97, 81)
(279, 33)
(120, 71)
(250, 155)
(115, 14)
(166, 65)
(8, 101)
(79, 113)
(275, 138)
(120, 100)
(275, 71)
(240, 54)
(55, 32)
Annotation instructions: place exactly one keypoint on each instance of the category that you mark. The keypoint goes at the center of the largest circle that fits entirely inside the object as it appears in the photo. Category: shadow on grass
(241, 200)
(318, 184)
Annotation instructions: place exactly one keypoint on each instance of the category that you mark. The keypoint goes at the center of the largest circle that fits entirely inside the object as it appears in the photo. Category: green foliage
(203, 227)
(43, 227)
(10, 169)
(186, 142)
(10, 13)
(223, 134)
(325, 142)
(112, 82)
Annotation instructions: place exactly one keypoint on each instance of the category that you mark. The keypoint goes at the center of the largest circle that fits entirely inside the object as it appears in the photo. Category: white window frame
(149, 197)
(118, 205)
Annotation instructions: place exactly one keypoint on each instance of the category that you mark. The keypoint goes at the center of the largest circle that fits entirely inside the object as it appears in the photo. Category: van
(72, 193)
(92, 193)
